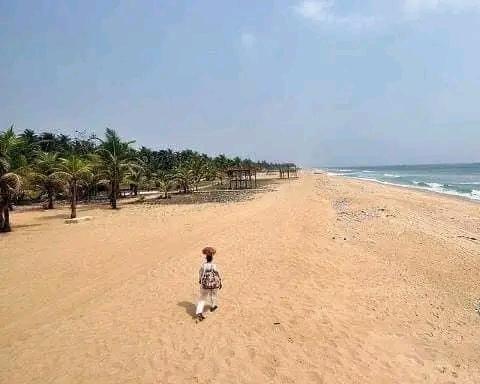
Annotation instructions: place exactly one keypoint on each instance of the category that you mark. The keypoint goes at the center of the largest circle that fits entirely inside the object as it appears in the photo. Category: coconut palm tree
(29, 144)
(212, 173)
(135, 177)
(114, 159)
(9, 181)
(198, 169)
(164, 182)
(43, 177)
(221, 163)
(9, 186)
(184, 176)
(91, 182)
(73, 170)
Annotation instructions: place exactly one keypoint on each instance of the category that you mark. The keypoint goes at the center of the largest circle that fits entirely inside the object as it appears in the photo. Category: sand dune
(325, 281)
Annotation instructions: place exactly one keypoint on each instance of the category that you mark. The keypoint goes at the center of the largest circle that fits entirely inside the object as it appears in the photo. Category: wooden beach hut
(288, 172)
(242, 178)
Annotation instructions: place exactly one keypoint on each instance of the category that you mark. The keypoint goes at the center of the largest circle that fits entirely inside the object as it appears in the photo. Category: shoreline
(409, 187)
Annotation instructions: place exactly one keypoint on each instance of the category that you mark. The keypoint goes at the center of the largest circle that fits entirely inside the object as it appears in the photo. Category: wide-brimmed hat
(209, 251)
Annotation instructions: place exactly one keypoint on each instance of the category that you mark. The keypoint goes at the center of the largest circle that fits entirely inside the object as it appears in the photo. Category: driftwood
(78, 220)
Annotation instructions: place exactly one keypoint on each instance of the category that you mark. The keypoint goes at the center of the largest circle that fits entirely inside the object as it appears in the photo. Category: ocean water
(451, 179)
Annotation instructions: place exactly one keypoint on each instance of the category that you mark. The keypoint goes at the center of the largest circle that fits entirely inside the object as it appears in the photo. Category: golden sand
(326, 280)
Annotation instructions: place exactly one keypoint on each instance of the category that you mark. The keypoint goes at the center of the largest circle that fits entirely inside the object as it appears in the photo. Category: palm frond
(10, 182)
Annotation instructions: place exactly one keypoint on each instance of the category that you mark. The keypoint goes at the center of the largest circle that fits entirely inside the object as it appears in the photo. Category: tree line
(48, 166)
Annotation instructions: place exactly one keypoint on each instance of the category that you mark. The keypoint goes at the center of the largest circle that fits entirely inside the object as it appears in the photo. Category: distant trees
(184, 176)
(164, 182)
(42, 175)
(48, 165)
(198, 166)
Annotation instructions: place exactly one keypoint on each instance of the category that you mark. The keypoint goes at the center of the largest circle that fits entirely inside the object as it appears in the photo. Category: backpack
(211, 279)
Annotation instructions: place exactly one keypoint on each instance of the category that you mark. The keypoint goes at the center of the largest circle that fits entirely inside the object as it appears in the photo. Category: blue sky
(317, 82)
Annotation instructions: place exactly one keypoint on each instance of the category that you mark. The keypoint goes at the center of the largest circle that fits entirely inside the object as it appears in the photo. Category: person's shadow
(190, 308)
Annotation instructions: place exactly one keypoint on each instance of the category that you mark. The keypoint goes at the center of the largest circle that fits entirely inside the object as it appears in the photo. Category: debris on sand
(78, 220)
(467, 237)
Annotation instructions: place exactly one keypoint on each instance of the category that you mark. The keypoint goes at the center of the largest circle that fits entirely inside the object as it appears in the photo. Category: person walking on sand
(210, 282)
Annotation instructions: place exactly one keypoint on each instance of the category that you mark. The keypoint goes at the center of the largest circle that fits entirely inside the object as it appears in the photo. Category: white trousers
(206, 295)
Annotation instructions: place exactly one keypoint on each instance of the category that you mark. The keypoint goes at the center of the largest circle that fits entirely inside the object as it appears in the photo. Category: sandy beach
(326, 280)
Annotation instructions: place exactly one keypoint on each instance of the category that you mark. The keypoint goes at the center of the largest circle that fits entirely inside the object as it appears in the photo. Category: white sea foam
(445, 179)
(436, 187)
(432, 187)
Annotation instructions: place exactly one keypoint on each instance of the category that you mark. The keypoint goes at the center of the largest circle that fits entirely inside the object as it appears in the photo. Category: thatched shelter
(287, 172)
(242, 178)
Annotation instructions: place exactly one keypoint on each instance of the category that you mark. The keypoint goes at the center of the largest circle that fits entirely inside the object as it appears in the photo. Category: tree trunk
(111, 193)
(113, 197)
(134, 189)
(6, 215)
(50, 200)
(2, 220)
(73, 215)
(5, 203)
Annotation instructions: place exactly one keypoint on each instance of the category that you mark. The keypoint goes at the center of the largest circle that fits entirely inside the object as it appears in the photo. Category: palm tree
(47, 141)
(92, 182)
(237, 161)
(212, 173)
(29, 143)
(9, 186)
(43, 176)
(198, 168)
(164, 182)
(73, 170)
(221, 163)
(135, 177)
(115, 161)
(9, 181)
(29, 136)
(184, 176)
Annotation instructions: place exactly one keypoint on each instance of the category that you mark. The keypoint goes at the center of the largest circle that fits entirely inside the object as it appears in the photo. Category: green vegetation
(45, 167)
(9, 180)
(73, 170)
